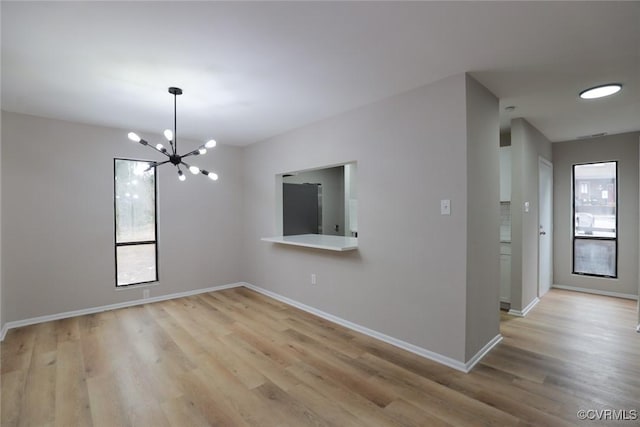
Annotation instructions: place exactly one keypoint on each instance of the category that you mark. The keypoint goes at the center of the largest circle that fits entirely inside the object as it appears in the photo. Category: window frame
(140, 242)
(596, 238)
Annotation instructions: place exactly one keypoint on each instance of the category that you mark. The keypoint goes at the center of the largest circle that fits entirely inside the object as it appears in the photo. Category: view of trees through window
(595, 219)
(135, 220)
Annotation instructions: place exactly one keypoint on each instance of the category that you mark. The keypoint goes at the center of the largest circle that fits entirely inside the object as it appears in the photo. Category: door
(545, 215)
(300, 209)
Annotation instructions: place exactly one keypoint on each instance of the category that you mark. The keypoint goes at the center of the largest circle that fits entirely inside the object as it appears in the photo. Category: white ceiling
(251, 70)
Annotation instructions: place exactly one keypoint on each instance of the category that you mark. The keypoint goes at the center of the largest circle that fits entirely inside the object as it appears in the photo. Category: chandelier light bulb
(210, 143)
(202, 150)
(194, 170)
(159, 146)
(181, 176)
(168, 134)
(134, 137)
(213, 176)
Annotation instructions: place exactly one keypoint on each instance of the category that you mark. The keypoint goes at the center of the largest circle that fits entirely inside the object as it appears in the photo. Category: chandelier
(173, 157)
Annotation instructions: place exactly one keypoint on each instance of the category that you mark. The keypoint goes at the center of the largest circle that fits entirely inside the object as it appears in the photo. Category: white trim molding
(526, 310)
(427, 354)
(92, 310)
(483, 352)
(596, 292)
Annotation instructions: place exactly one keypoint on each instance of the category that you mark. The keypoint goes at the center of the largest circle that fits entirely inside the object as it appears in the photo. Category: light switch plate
(445, 207)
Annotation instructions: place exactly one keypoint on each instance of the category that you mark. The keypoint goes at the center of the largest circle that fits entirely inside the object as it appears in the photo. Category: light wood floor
(238, 358)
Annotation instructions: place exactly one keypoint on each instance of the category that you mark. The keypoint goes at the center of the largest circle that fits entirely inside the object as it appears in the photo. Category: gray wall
(483, 218)
(332, 180)
(2, 322)
(1, 263)
(57, 217)
(415, 269)
(624, 149)
(527, 145)
(409, 276)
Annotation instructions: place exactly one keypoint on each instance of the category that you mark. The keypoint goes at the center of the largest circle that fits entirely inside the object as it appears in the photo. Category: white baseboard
(526, 310)
(483, 352)
(596, 292)
(74, 313)
(427, 354)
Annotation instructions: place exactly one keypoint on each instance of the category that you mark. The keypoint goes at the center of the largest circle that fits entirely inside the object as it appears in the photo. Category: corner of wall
(483, 218)
(527, 145)
(2, 323)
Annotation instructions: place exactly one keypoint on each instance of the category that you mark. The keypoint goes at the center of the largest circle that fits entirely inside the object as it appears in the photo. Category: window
(595, 219)
(136, 245)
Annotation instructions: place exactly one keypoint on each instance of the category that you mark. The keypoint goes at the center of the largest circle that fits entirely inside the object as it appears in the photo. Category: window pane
(135, 201)
(595, 199)
(595, 257)
(136, 264)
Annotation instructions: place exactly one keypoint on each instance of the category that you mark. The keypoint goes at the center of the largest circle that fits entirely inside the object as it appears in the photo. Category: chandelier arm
(165, 152)
(156, 164)
(193, 153)
(188, 166)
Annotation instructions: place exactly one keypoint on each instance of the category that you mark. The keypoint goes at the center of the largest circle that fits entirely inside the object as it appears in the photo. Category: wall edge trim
(526, 310)
(99, 309)
(595, 292)
(420, 351)
(482, 352)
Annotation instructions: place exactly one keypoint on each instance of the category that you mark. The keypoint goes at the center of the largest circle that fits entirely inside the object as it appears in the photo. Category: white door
(545, 247)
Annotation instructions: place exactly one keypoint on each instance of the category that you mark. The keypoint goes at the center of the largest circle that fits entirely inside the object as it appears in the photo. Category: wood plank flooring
(238, 358)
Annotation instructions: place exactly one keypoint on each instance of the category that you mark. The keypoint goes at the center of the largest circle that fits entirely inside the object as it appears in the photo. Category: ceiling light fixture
(601, 91)
(171, 136)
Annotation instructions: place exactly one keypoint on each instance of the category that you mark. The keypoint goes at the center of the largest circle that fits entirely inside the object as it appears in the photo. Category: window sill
(317, 241)
(138, 286)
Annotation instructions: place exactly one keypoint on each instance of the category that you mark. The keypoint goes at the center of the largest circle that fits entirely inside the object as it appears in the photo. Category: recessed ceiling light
(601, 91)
